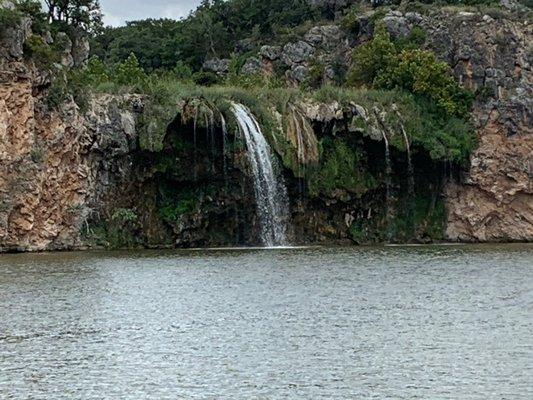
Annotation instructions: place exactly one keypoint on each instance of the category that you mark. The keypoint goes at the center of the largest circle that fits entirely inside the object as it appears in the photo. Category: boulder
(271, 53)
(244, 46)
(80, 49)
(297, 52)
(7, 4)
(217, 65)
(300, 73)
(326, 36)
(64, 44)
(252, 66)
(396, 24)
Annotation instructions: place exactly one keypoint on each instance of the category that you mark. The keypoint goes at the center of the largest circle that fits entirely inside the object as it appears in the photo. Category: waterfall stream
(388, 183)
(270, 192)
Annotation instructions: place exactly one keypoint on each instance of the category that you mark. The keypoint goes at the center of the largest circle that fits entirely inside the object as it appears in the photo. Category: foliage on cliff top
(444, 138)
(380, 63)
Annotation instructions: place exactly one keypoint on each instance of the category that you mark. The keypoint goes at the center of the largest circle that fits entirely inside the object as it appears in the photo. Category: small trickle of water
(410, 168)
(388, 185)
(224, 148)
(195, 141)
(270, 192)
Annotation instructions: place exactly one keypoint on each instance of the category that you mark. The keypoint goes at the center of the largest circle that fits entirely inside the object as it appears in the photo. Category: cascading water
(224, 148)
(270, 192)
(388, 183)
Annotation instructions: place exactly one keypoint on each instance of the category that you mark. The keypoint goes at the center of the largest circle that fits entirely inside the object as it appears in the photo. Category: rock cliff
(65, 170)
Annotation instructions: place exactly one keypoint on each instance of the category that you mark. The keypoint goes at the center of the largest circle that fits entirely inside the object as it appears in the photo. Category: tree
(79, 14)
(130, 72)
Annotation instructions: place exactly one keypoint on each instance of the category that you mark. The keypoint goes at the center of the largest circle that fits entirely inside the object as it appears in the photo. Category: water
(341, 323)
(270, 192)
(388, 185)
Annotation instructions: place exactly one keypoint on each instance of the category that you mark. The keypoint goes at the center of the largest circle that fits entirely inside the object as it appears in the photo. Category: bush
(96, 72)
(339, 168)
(38, 50)
(182, 71)
(130, 72)
(34, 9)
(381, 64)
(371, 58)
(205, 78)
(415, 39)
(419, 72)
(124, 215)
(8, 19)
(350, 21)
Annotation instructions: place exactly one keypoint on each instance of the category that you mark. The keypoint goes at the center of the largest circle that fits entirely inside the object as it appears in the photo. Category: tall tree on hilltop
(80, 14)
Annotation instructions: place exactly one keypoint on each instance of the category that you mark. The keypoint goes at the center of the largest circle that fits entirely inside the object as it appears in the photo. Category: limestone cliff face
(55, 164)
(494, 200)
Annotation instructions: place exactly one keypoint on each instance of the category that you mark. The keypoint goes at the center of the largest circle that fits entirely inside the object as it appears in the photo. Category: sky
(117, 12)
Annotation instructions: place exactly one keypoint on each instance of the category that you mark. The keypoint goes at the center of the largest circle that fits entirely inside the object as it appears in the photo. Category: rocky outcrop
(494, 200)
(217, 65)
(297, 52)
(56, 165)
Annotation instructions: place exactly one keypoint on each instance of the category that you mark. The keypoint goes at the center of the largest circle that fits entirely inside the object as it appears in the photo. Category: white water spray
(270, 192)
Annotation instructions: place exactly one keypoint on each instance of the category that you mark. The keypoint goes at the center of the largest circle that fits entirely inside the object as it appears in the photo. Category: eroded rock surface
(55, 165)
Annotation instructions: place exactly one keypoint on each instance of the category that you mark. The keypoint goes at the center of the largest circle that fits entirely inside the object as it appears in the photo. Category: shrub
(419, 72)
(38, 50)
(124, 215)
(350, 21)
(34, 9)
(205, 78)
(182, 71)
(8, 19)
(371, 58)
(415, 39)
(381, 64)
(96, 72)
(339, 168)
(130, 72)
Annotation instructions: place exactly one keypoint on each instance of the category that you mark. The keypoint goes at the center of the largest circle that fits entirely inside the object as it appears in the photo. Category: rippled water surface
(358, 323)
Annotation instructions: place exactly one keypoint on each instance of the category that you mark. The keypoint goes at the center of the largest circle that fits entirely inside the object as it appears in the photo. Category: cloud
(117, 12)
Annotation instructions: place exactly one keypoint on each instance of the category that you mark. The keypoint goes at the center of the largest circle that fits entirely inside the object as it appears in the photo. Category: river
(429, 322)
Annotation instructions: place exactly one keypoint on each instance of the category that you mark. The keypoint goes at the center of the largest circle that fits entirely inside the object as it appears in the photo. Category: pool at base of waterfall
(429, 322)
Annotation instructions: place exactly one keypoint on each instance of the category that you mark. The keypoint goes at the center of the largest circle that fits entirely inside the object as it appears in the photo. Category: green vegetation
(341, 167)
(39, 51)
(212, 30)
(444, 105)
(8, 18)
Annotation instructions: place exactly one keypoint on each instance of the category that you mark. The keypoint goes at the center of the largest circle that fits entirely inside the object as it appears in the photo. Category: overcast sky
(117, 12)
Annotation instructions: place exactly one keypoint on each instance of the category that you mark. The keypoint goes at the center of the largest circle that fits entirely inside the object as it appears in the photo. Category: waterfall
(224, 148)
(195, 140)
(270, 192)
(388, 172)
(410, 169)
(388, 184)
